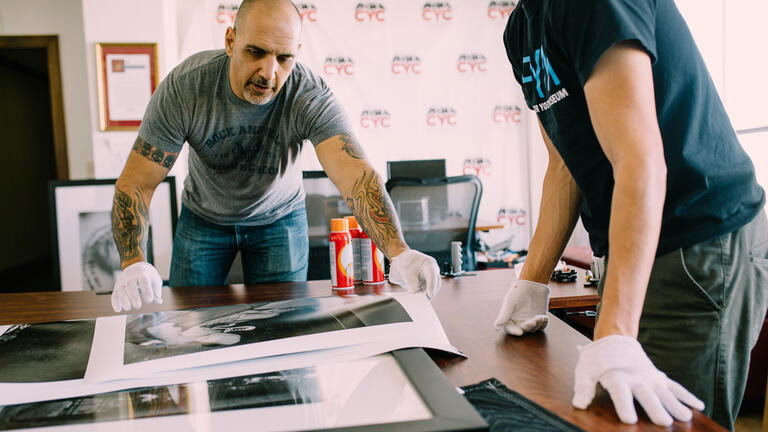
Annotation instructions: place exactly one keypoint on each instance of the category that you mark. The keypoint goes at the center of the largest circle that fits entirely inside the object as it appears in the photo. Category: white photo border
(68, 198)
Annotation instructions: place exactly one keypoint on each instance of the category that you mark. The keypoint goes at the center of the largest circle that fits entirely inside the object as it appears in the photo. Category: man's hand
(621, 366)
(138, 280)
(524, 308)
(415, 272)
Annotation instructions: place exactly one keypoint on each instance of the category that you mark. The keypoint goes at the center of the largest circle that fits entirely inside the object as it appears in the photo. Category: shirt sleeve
(584, 30)
(321, 116)
(162, 125)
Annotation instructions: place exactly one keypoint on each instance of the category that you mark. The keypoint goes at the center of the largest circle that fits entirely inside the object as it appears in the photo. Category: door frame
(51, 45)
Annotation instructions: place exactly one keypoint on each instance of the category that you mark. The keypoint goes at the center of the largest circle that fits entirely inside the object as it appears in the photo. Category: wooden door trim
(51, 45)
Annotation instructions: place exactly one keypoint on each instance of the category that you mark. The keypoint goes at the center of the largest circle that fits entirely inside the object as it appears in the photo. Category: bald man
(246, 112)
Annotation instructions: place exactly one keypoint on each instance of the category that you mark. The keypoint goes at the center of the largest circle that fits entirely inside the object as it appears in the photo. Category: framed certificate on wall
(127, 76)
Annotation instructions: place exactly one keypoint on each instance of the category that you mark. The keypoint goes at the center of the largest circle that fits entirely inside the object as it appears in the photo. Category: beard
(257, 95)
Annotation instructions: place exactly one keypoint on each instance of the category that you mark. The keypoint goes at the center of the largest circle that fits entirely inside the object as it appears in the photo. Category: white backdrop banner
(419, 80)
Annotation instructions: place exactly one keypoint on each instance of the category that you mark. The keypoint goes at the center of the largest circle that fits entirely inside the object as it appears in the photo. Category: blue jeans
(203, 251)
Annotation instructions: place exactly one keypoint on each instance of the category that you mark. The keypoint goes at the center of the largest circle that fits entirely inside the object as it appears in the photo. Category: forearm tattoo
(374, 210)
(129, 221)
(154, 154)
(351, 146)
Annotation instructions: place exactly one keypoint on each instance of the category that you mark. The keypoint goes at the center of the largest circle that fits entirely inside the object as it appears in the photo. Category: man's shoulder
(305, 80)
(201, 63)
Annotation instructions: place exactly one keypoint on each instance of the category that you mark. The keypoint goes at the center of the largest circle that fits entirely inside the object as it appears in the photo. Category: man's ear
(229, 41)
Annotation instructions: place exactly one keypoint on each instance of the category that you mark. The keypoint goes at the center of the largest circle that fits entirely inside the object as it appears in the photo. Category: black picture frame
(72, 202)
(449, 410)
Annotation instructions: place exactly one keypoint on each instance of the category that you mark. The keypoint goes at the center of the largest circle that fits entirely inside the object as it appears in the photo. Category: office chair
(323, 202)
(435, 211)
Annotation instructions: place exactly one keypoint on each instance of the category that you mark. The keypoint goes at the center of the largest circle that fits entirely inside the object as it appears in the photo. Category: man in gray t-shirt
(247, 112)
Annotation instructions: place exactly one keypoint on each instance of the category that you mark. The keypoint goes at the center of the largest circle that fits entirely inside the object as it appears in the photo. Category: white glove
(137, 277)
(415, 272)
(524, 308)
(621, 366)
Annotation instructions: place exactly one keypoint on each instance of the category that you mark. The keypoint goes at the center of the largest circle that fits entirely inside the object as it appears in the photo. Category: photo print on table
(290, 387)
(54, 351)
(152, 336)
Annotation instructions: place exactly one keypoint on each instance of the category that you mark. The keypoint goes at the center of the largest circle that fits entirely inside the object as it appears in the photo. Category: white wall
(63, 18)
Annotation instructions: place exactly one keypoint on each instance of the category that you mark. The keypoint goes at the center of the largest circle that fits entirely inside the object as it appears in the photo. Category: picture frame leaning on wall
(83, 252)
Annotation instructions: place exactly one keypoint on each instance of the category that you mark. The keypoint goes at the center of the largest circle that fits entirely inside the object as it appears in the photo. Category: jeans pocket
(759, 254)
(706, 281)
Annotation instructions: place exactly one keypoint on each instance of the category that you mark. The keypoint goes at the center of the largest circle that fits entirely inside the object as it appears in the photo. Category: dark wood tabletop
(539, 366)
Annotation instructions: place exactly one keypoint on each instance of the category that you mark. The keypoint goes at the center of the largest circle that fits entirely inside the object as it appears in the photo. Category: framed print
(82, 248)
(403, 390)
(127, 75)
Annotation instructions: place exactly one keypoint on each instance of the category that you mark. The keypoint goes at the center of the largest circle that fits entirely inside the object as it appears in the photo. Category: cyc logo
(338, 66)
(437, 11)
(225, 14)
(476, 166)
(501, 10)
(511, 216)
(369, 12)
(406, 65)
(471, 63)
(374, 118)
(505, 114)
(308, 11)
(443, 116)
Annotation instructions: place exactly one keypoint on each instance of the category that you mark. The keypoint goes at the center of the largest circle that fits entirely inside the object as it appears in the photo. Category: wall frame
(127, 75)
(83, 252)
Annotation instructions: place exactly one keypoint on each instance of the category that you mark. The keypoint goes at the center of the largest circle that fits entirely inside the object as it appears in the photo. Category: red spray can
(342, 261)
(372, 260)
(356, 233)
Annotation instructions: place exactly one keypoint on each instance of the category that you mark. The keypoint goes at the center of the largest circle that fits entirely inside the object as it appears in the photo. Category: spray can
(355, 233)
(372, 260)
(340, 248)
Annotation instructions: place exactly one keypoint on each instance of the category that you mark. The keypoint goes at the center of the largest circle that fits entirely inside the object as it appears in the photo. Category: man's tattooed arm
(374, 211)
(129, 222)
(133, 193)
(351, 146)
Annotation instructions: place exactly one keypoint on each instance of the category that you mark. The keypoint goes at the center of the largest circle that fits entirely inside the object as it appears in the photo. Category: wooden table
(538, 366)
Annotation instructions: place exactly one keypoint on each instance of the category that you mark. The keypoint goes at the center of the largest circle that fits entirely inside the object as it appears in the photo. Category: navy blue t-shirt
(553, 46)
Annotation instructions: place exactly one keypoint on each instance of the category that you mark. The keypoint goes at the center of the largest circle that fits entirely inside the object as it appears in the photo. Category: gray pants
(703, 312)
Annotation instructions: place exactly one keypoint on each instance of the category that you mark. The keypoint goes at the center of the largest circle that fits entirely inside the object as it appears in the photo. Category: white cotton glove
(524, 308)
(621, 366)
(137, 278)
(415, 272)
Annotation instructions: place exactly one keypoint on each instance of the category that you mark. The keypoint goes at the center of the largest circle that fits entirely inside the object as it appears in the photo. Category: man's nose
(268, 67)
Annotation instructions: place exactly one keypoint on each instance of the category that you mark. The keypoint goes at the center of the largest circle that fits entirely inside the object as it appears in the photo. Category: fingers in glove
(650, 402)
(145, 288)
(124, 301)
(116, 305)
(507, 305)
(539, 322)
(132, 290)
(623, 402)
(682, 394)
(583, 390)
(157, 287)
(673, 405)
(513, 329)
(432, 277)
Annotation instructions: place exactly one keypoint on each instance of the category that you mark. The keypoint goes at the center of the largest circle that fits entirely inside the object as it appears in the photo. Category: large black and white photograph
(158, 335)
(84, 253)
(55, 351)
(281, 388)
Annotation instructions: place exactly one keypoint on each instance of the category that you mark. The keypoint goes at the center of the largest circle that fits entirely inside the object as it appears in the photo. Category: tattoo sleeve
(351, 146)
(129, 222)
(374, 210)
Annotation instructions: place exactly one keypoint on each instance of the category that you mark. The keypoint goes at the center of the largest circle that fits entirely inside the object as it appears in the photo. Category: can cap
(352, 222)
(338, 225)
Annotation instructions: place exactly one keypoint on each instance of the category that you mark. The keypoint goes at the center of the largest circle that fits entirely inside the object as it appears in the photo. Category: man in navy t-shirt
(642, 149)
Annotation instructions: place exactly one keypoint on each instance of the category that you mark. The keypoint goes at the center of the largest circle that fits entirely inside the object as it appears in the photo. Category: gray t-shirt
(244, 165)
